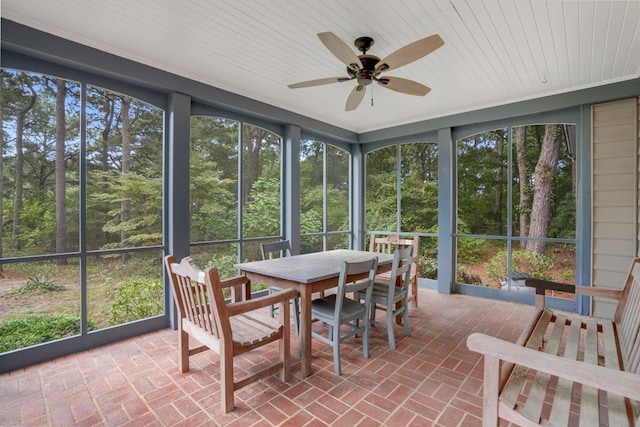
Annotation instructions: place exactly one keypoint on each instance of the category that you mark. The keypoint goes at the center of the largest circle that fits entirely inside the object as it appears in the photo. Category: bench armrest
(543, 285)
(283, 296)
(611, 380)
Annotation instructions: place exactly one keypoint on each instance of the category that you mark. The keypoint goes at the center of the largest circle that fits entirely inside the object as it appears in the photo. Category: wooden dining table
(308, 274)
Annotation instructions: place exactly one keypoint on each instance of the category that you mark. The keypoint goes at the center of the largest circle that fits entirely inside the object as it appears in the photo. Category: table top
(313, 267)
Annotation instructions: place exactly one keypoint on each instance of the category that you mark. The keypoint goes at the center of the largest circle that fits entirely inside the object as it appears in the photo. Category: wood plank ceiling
(495, 52)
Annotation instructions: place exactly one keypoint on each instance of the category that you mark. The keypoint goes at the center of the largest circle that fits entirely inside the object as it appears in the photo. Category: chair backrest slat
(401, 267)
(347, 285)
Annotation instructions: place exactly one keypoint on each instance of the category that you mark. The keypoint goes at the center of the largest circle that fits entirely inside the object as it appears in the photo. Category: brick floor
(431, 379)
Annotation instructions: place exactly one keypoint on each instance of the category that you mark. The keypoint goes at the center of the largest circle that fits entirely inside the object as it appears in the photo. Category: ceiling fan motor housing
(364, 75)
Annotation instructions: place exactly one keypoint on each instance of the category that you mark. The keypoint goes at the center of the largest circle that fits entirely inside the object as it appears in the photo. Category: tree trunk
(60, 172)
(19, 172)
(252, 141)
(543, 187)
(497, 216)
(125, 210)
(108, 117)
(520, 134)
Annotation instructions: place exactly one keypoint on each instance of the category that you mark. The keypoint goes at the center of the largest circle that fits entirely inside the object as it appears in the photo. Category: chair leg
(365, 338)
(414, 290)
(284, 347)
(272, 308)
(372, 309)
(226, 380)
(405, 317)
(183, 351)
(335, 331)
(392, 337)
(296, 315)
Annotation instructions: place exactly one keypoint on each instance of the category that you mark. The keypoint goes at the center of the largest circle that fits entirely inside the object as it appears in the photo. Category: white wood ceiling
(495, 52)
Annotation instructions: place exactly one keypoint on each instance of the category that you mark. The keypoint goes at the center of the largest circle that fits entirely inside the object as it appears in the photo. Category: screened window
(402, 197)
(324, 194)
(516, 206)
(235, 181)
(81, 209)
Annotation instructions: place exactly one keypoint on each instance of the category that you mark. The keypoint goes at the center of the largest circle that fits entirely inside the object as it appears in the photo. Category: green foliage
(470, 250)
(136, 300)
(224, 263)
(262, 212)
(528, 262)
(37, 284)
(377, 221)
(462, 276)
(568, 276)
(428, 267)
(20, 333)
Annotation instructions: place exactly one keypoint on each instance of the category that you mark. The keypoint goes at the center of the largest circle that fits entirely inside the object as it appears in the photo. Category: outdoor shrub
(568, 276)
(428, 267)
(137, 299)
(528, 262)
(38, 284)
(462, 276)
(20, 333)
(224, 264)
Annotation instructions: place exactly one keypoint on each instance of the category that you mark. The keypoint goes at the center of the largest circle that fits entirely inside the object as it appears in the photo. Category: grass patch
(20, 333)
(37, 284)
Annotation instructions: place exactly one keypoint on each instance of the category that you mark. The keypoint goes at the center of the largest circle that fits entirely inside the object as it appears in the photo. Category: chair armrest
(265, 301)
(611, 380)
(234, 281)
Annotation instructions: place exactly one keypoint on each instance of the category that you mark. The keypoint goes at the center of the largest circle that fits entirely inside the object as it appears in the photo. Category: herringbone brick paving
(431, 379)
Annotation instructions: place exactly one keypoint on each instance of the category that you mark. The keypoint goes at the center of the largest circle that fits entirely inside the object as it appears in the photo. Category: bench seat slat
(513, 387)
(535, 400)
(589, 403)
(617, 409)
(562, 400)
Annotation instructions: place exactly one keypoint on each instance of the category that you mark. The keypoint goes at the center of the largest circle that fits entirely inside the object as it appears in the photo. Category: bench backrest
(627, 319)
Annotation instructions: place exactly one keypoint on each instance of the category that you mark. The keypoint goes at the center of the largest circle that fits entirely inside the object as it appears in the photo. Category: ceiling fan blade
(319, 82)
(404, 86)
(355, 98)
(409, 53)
(340, 49)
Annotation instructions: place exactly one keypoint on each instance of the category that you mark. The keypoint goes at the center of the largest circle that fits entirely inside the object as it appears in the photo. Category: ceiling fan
(367, 69)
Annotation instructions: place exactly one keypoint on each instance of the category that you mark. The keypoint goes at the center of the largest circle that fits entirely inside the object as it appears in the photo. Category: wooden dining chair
(393, 299)
(388, 244)
(278, 249)
(228, 329)
(336, 309)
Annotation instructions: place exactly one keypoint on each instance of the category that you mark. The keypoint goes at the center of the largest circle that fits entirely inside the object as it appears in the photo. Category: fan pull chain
(372, 95)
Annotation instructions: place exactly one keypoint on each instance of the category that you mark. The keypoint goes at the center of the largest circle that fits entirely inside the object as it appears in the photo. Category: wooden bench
(567, 370)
